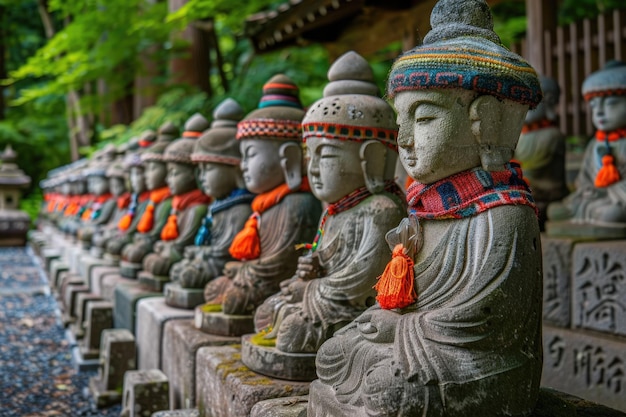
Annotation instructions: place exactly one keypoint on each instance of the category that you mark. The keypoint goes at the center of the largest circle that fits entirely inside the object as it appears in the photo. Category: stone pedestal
(97, 275)
(586, 230)
(227, 388)
(145, 392)
(57, 266)
(153, 282)
(189, 412)
(80, 312)
(152, 314)
(70, 297)
(109, 282)
(222, 324)
(281, 407)
(181, 341)
(130, 269)
(557, 267)
(117, 355)
(125, 300)
(99, 317)
(188, 298)
(88, 263)
(277, 364)
(49, 255)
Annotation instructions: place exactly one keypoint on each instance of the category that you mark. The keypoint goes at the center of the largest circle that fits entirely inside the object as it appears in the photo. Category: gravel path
(37, 377)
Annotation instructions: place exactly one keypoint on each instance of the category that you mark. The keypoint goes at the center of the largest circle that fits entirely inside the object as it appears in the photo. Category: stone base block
(130, 269)
(69, 301)
(190, 412)
(97, 275)
(281, 407)
(153, 282)
(99, 317)
(54, 271)
(586, 230)
(145, 392)
(585, 364)
(227, 388)
(109, 282)
(188, 298)
(125, 301)
(80, 312)
(222, 324)
(276, 364)
(88, 263)
(181, 341)
(49, 255)
(152, 314)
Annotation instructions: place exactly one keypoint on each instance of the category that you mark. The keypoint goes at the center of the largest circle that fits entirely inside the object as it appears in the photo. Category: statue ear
(373, 156)
(486, 117)
(291, 162)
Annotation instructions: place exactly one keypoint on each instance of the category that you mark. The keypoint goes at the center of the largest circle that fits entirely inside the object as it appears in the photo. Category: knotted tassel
(396, 284)
(608, 173)
(246, 244)
(125, 222)
(86, 214)
(170, 230)
(147, 219)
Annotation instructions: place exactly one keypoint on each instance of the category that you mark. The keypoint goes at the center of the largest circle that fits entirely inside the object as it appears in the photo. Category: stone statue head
(271, 138)
(461, 96)
(350, 133)
(150, 157)
(217, 153)
(177, 155)
(605, 91)
(117, 179)
(97, 182)
(547, 108)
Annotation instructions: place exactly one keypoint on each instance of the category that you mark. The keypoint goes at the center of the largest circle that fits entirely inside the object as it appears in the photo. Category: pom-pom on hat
(180, 150)
(278, 115)
(463, 51)
(218, 144)
(351, 109)
(609, 81)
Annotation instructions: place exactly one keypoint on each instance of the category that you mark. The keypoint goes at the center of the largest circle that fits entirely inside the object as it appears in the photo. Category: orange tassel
(86, 214)
(396, 284)
(608, 173)
(147, 219)
(125, 222)
(246, 245)
(170, 230)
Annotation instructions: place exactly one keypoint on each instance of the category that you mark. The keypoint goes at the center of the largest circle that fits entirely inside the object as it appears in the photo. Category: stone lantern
(14, 223)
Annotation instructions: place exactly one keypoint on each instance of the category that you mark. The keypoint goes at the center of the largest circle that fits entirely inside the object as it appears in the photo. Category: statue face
(137, 179)
(217, 180)
(98, 185)
(66, 188)
(155, 174)
(260, 165)
(435, 138)
(79, 187)
(334, 168)
(117, 185)
(608, 113)
(180, 178)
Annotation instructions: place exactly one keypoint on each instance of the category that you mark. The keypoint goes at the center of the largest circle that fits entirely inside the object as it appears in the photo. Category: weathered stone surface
(109, 282)
(181, 341)
(88, 263)
(56, 267)
(276, 363)
(80, 311)
(585, 364)
(188, 298)
(599, 286)
(70, 297)
(152, 314)
(130, 269)
(191, 412)
(281, 407)
(584, 230)
(223, 324)
(99, 316)
(152, 282)
(97, 275)
(125, 301)
(145, 392)
(557, 267)
(227, 388)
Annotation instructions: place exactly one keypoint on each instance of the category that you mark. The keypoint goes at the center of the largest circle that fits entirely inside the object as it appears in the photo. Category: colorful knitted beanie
(351, 109)
(180, 150)
(279, 113)
(609, 81)
(463, 51)
(218, 144)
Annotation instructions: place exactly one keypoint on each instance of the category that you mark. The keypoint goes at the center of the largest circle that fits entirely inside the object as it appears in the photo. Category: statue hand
(308, 267)
(378, 325)
(293, 289)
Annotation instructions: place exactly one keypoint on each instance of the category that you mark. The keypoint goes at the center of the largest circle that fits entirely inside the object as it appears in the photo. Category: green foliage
(575, 10)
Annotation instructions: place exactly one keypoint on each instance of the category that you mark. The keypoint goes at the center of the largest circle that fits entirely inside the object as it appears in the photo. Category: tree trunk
(3, 64)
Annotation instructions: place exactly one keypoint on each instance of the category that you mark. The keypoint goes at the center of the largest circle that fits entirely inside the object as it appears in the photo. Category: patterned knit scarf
(147, 219)
(247, 244)
(237, 196)
(468, 193)
(180, 203)
(608, 173)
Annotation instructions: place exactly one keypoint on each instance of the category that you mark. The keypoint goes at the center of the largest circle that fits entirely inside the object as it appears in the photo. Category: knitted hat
(218, 144)
(115, 170)
(166, 134)
(147, 139)
(279, 113)
(351, 109)
(463, 51)
(609, 81)
(180, 150)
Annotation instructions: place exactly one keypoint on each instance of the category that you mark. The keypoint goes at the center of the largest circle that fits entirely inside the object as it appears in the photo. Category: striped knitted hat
(180, 150)
(463, 51)
(609, 81)
(351, 109)
(218, 144)
(279, 113)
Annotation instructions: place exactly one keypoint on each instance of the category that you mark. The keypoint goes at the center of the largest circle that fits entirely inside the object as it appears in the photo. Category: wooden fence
(573, 52)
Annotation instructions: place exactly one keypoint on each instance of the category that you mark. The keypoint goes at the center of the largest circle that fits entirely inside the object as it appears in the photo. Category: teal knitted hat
(609, 81)
(463, 51)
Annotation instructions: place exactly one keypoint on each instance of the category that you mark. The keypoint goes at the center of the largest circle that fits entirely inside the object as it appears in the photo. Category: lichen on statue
(444, 338)
(599, 199)
(217, 157)
(285, 213)
(354, 175)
